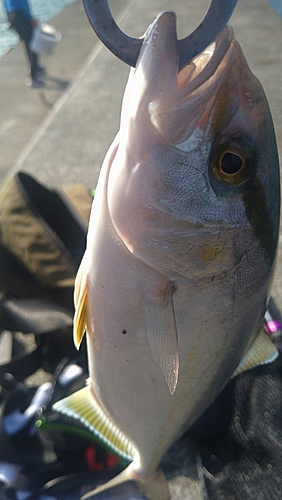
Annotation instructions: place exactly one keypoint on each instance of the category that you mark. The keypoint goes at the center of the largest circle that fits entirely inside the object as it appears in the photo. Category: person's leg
(23, 27)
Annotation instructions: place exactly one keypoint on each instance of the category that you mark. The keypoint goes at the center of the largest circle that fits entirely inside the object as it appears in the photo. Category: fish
(181, 251)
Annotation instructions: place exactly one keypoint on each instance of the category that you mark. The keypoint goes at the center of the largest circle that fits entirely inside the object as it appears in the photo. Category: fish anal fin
(261, 352)
(83, 406)
(162, 335)
(80, 316)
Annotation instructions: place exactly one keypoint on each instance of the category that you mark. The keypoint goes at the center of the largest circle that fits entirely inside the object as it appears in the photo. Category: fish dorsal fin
(261, 352)
(80, 298)
(162, 335)
(82, 406)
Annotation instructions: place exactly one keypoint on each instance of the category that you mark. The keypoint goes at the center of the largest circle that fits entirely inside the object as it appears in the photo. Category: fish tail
(123, 477)
(154, 487)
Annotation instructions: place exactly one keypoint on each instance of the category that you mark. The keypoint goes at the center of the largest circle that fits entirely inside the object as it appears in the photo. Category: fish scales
(181, 250)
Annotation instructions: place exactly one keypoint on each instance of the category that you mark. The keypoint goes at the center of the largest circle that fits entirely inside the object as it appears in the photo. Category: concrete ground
(22, 109)
(61, 134)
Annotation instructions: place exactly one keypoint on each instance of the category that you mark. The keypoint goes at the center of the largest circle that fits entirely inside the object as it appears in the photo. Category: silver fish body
(181, 247)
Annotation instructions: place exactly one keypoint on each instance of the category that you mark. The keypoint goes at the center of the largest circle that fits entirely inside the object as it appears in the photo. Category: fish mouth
(194, 92)
(203, 67)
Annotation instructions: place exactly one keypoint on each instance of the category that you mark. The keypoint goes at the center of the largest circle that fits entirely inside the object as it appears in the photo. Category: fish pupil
(231, 163)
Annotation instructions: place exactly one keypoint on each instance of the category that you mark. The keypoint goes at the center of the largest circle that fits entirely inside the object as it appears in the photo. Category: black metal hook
(127, 49)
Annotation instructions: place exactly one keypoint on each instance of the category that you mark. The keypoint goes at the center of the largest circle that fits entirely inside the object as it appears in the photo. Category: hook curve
(127, 49)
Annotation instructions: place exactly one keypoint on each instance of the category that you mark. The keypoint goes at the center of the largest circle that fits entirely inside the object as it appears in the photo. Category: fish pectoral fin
(80, 315)
(162, 335)
(82, 406)
(261, 352)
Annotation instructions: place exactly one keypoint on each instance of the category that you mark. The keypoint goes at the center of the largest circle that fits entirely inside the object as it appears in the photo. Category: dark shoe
(41, 70)
(37, 82)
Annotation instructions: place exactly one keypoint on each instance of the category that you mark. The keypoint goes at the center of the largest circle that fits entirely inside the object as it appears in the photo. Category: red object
(95, 464)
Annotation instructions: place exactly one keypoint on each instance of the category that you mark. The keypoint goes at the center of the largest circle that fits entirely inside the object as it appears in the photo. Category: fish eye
(233, 161)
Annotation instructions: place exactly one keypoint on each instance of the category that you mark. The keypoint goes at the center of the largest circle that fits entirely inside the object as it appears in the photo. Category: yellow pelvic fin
(261, 352)
(80, 316)
(82, 406)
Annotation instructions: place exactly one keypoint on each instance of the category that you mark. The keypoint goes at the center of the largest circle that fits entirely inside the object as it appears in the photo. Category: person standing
(21, 19)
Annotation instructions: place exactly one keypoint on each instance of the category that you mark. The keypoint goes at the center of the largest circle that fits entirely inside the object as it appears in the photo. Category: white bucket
(44, 39)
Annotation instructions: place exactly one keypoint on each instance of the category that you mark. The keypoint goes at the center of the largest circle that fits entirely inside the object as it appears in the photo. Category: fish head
(194, 186)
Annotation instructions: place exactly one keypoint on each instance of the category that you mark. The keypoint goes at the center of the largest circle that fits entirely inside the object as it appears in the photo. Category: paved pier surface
(61, 134)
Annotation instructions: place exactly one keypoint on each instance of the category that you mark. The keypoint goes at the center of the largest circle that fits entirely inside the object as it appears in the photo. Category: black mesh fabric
(245, 461)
